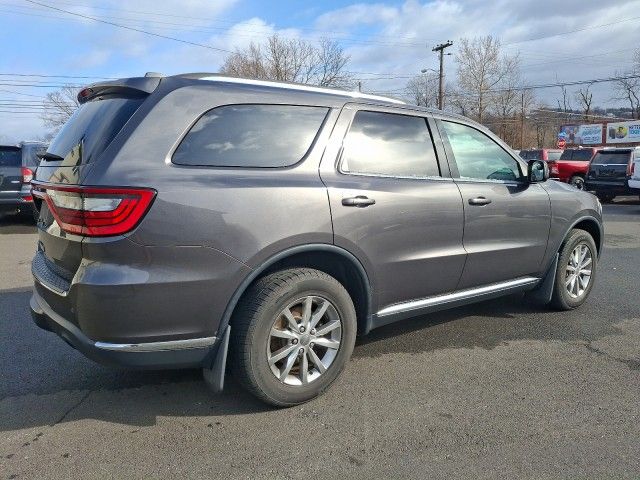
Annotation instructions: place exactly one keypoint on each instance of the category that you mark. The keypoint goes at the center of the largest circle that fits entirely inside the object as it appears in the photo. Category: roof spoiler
(137, 86)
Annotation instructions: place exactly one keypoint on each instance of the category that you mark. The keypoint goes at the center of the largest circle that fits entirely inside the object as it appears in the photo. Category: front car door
(507, 219)
(393, 203)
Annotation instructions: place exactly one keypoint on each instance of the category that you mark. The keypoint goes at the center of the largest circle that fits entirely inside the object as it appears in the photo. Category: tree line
(488, 86)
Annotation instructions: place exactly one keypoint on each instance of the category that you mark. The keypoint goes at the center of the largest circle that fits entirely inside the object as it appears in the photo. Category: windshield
(91, 129)
(10, 157)
(611, 158)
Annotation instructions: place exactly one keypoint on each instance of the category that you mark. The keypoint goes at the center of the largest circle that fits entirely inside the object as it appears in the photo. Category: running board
(402, 310)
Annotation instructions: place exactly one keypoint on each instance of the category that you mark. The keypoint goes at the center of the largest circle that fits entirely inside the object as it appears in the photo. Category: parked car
(634, 177)
(17, 165)
(546, 154)
(186, 217)
(572, 166)
(609, 172)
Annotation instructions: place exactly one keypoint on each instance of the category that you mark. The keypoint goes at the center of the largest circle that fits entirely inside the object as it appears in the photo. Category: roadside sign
(562, 143)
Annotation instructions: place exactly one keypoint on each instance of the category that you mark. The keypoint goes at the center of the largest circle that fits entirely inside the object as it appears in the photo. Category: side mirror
(538, 171)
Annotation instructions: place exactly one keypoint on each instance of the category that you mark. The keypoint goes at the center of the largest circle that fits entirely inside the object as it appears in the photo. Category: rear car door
(507, 219)
(10, 175)
(393, 202)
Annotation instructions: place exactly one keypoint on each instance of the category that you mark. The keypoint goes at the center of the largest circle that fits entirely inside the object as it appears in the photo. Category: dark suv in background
(609, 172)
(183, 218)
(17, 165)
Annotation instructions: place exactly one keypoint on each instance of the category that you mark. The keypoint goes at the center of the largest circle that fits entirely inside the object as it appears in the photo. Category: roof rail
(298, 86)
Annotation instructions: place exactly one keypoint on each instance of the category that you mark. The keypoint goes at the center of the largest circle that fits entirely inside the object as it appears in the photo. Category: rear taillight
(27, 175)
(631, 167)
(95, 211)
(553, 168)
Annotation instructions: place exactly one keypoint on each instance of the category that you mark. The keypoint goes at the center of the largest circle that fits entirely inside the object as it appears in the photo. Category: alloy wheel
(578, 271)
(304, 340)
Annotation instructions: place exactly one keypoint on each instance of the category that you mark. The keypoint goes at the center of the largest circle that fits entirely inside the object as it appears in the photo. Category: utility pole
(440, 49)
(522, 122)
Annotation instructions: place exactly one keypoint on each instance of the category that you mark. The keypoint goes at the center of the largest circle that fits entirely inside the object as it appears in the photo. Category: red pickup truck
(572, 166)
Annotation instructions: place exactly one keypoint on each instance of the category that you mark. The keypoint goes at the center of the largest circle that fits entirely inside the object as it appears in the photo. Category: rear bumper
(188, 353)
(634, 185)
(617, 188)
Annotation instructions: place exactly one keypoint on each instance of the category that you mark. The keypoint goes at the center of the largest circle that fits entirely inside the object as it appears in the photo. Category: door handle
(479, 201)
(359, 201)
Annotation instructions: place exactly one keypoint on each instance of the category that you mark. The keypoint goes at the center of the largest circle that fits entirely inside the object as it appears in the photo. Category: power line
(139, 30)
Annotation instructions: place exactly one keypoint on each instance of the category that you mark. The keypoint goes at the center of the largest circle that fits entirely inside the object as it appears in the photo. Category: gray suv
(199, 220)
(17, 165)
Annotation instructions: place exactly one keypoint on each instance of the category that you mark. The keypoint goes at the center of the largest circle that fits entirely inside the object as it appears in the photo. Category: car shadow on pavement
(17, 224)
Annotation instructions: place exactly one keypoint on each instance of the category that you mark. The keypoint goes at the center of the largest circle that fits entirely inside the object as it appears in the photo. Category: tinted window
(10, 157)
(531, 154)
(389, 144)
(251, 136)
(30, 154)
(478, 156)
(584, 155)
(611, 157)
(566, 155)
(552, 156)
(91, 128)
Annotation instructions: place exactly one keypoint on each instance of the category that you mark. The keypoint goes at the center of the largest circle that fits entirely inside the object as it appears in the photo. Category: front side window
(389, 144)
(478, 157)
(251, 136)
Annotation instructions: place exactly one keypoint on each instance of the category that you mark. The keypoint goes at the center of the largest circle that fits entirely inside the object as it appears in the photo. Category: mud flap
(214, 374)
(544, 291)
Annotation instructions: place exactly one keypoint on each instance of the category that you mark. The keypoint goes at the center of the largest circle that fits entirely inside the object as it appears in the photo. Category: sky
(387, 41)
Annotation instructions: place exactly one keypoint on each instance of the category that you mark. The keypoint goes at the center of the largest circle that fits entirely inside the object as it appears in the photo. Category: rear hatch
(10, 173)
(610, 166)
(59, 195)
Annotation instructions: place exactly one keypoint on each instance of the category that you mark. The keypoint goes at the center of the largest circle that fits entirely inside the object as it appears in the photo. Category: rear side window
(30, 154)
(389, 144)
(92, 128)
(621, 158)
(566, 155)
(10, 157)
(251, 136)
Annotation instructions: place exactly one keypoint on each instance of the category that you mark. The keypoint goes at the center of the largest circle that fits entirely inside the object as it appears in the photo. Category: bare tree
(482, 68)
(423, 90)
(564, 103)
(585, 97)
(292, 60)
(58, 107)
(628, 89)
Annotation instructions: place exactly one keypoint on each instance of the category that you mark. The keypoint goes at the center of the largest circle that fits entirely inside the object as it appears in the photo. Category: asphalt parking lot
(502, 389)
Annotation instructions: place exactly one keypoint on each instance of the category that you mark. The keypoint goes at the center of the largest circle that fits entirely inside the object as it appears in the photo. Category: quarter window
(389, 144)
(478, 156)
(251, 136)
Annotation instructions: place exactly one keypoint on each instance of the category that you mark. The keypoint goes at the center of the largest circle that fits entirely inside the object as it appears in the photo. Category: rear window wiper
(49, 156)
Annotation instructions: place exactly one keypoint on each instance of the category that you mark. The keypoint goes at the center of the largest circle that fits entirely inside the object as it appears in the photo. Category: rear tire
(605, 198)
(283, 358)
(577, 181)
(576, 271)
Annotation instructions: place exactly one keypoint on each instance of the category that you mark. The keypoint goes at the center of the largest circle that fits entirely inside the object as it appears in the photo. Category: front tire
(293, 333)
(577, 181)
(576, 271)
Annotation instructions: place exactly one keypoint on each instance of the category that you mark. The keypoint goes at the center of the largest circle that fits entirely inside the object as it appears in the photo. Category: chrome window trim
(459, 295)
(158, 346)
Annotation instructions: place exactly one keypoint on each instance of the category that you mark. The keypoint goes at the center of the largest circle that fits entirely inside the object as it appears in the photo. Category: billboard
(623, 132)
(590, 134)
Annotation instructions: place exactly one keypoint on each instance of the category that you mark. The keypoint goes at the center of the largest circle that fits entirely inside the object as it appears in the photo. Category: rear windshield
(553, 156)
(92, 128)
(10, 157)
(531, 154)
(611, 158)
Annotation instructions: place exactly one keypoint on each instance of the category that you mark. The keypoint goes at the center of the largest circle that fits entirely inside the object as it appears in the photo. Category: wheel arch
(333, 260)
(592, 227)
